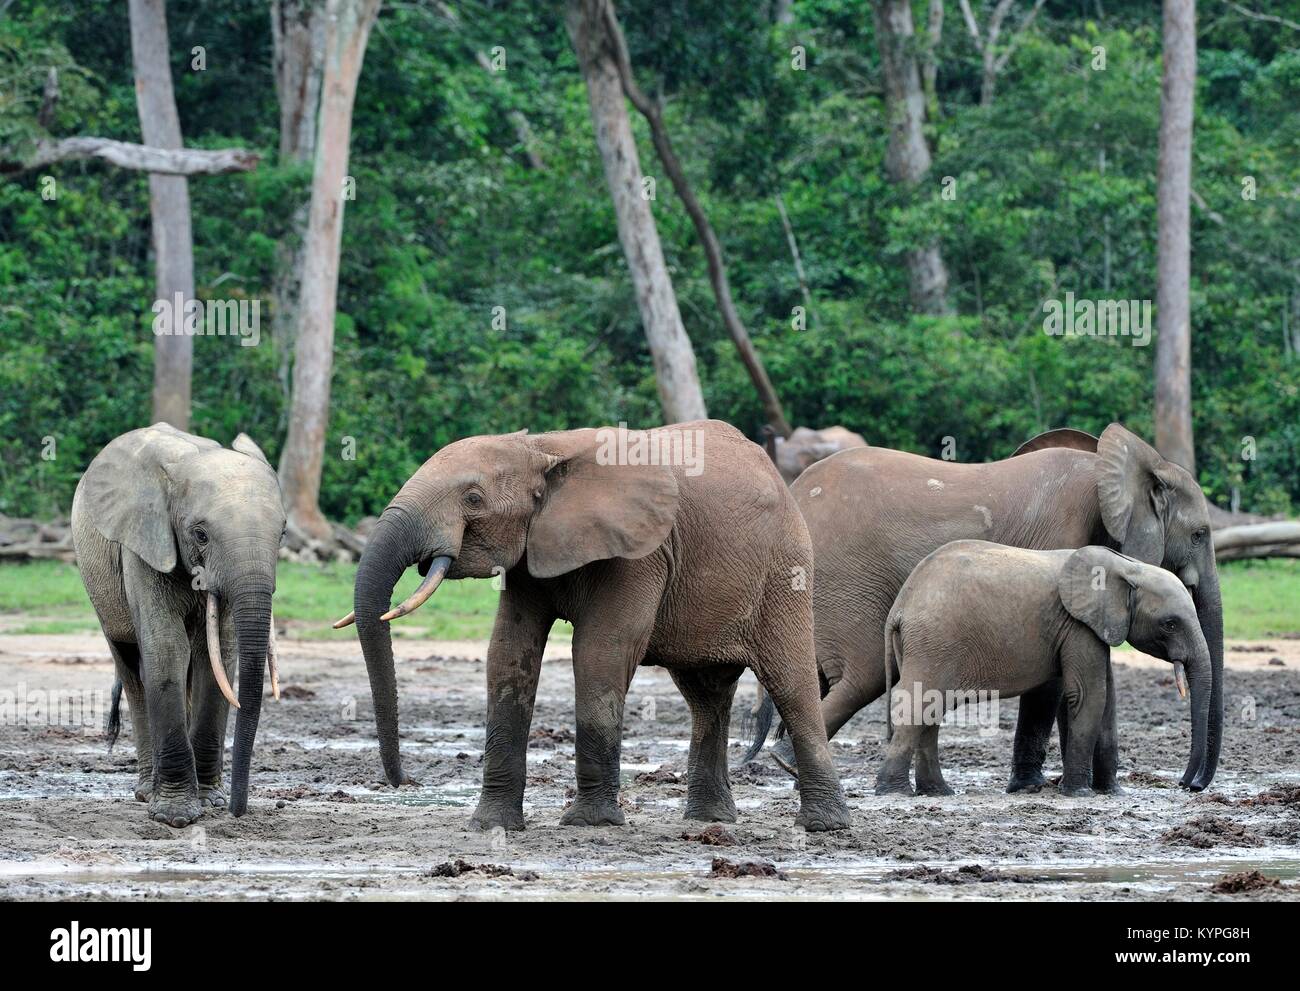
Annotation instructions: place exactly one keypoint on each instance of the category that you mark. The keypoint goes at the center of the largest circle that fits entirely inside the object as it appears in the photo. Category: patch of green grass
(1261, 599)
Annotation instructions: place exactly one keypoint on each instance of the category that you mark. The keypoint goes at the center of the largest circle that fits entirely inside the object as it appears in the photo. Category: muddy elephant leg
(929, 775)
(514, 663)
(209, 713)
(165, 656)
(708, 691)
(895, 774)
(1038, 708)
(1084, 668)
(126, 661)
(1105, 757)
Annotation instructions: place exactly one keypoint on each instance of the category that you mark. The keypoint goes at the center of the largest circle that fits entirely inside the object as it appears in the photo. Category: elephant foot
(1031, 781)
(144, 791)
(894, 787)
(213, 796)
(1108, 788)
(718, 808)
(933, 788)
(176, 811)
(497, 815)
(1075, 791)
(590, 811)
(823, 815)
(783, 754)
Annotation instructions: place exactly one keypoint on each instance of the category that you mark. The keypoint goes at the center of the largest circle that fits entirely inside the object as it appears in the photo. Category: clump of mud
(1277, 795)
(722, 867)
(714, 835)
(1146, 779)
(966, 874)
(659, 776)
(1205, 832)
(456, 868)
(1244, 882)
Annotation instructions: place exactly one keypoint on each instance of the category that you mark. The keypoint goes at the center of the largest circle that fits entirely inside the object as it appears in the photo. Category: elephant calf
(976, 617)
(679, 547)
(177, 540)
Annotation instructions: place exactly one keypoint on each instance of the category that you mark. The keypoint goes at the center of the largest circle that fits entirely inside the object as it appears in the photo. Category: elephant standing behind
(177, 540)
(699, 563)
(874, 513)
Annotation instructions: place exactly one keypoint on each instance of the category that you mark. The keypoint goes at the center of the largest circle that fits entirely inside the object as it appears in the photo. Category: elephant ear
(1078, 440)
(1133, 486)
(125, 490)
(594, 508)
(1096, 587)
(246, 445)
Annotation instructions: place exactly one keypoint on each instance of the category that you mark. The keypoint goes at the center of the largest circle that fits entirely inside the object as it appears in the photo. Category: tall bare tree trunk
(169, 208)
(708, 239)
(907, 158)
(674, 360)
(298, 43)
(1173, 414)
(348, 24)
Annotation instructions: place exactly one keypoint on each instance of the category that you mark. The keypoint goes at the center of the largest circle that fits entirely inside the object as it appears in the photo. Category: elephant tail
(762, 726)
(115, 714)
(893, 650)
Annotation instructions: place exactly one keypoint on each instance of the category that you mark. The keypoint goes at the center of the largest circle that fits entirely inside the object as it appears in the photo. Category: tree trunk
(347, 30)
(298, 39)
(1173, 413)
(674, 360)
(907, 159)
(708, 239)
(169, 207)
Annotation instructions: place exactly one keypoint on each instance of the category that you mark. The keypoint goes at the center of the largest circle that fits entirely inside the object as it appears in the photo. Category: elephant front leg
(1105, 756)
(1085, 693)
(1033, 732)
(209, 713)
(708, 692)
(126, 658)
(514, 663)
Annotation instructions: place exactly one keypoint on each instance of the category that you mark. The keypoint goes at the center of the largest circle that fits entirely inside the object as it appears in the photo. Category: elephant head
(482, 505)
(179, 501)
(1120, 599)
(1156, 513)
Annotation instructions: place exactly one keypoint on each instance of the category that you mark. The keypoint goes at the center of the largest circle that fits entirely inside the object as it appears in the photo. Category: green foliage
(1055, 192)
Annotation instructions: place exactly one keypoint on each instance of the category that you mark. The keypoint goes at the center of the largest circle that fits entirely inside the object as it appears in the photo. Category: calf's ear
(1095, 587)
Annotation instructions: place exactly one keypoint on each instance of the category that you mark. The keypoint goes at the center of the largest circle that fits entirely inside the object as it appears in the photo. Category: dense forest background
(1054, 184)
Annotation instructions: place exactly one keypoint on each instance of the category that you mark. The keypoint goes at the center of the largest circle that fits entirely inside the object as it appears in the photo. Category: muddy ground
(322, 823)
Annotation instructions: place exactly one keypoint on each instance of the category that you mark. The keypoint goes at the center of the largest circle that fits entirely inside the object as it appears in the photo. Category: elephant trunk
(1209, 610)
(250, 609)
(1202, 691)
(394, 545)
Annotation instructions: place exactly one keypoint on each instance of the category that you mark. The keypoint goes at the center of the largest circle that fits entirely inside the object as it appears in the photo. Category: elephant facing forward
(678, 547)
(177, 540)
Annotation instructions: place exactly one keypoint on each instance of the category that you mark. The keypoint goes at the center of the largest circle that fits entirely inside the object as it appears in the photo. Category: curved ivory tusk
(214, 653)
(1180, 679)
(272, 654)
(437, 570)
(347, 620)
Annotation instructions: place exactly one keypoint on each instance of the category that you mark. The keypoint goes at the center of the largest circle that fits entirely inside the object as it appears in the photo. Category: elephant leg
(164, 666)
(1038, 708)
(929, 775)
(209, 713)
(126, 661)
(708, 691)
(1084, 670)
(895, 774)
(514, 663)
(1105, 758)
(788, 672)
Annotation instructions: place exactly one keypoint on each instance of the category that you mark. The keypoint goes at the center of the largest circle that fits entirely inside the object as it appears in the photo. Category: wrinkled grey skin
(976, 617)
(159, 519)
(874, 513)
(701, 573)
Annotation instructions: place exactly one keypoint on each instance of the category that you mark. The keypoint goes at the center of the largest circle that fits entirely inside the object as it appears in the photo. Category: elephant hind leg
(929, 775)
(1038, 707)
(708, 692)
(126, 661)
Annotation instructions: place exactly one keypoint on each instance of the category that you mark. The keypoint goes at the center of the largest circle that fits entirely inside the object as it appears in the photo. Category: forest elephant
(874, 513)
(679, 547)
(978, 622)
(177, 540)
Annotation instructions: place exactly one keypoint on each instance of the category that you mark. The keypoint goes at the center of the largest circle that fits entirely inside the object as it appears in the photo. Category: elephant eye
(474, 498)
(201, 535)
(1199, 536)
(1170, 624)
